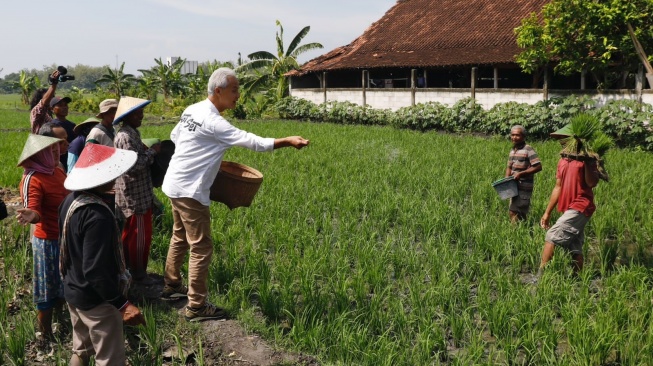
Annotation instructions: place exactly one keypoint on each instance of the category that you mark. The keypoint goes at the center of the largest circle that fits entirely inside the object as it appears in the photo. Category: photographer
(41, 102)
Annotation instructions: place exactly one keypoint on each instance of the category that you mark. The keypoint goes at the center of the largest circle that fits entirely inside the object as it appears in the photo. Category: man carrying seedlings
(201, 139)
(523, 163)
(91, 262)
(576, 175)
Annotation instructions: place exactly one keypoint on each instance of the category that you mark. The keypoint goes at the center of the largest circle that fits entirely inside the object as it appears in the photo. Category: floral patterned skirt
(47, 284)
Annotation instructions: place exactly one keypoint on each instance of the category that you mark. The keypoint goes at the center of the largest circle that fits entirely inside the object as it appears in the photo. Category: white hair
(519, 127)
(219, 79)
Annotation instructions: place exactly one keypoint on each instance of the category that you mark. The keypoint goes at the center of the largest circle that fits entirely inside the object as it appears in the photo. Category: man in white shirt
(201, 139)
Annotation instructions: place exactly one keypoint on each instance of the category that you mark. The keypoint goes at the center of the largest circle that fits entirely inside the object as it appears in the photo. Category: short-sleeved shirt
(44, 193)
(521, 158)
(575, 194)
(101, 135)
(134, 193)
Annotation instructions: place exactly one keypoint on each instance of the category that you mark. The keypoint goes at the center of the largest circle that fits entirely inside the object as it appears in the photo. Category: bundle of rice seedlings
(600, 143)
(582, 128)
(583, 140)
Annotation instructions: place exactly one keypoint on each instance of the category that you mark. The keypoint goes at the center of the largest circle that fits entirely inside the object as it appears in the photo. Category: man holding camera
(41, 103)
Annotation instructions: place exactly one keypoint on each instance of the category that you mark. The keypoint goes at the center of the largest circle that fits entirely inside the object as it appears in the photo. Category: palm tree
(271, 69)
(117, 81)
(26, 84)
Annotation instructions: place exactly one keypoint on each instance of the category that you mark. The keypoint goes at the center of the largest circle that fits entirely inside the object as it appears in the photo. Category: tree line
(569, 35)
(261, 75)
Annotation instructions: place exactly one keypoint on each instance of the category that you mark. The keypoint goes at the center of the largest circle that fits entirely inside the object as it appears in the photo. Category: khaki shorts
(568, 231)
(521, 203)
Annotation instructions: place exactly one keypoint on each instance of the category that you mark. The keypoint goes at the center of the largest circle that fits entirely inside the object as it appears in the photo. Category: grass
(378, 246)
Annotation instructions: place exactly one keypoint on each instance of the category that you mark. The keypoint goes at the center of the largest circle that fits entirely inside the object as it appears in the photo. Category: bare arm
(553, 202)
(531, 170)
(591, 173)
(47, 97)
(295, 141)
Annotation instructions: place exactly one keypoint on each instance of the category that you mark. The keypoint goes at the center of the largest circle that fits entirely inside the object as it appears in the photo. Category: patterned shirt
(521, 158)
(39, 116)
(134, 193)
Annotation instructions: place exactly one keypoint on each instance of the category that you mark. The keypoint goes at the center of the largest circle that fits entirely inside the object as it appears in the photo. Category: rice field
(376, 246)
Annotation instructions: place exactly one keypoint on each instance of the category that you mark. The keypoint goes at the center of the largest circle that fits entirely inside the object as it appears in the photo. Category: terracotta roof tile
(431, 33)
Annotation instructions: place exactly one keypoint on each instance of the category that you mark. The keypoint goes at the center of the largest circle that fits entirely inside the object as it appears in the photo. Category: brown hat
(106, 105)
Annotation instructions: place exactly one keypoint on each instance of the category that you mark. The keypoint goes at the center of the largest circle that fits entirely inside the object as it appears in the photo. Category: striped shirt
(520, 159)
(134, 193)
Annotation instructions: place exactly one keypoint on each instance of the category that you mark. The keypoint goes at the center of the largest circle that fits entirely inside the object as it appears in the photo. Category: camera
(62, 76)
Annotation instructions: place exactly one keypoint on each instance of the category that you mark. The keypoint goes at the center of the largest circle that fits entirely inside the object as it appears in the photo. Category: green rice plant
(151, 338)
(20, 334)
(383, 246)
(200, 353)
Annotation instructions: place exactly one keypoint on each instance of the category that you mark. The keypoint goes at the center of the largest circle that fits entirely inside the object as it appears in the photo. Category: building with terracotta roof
(434, 44)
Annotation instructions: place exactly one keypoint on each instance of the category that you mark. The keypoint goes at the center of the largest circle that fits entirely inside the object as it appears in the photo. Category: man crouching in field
(573, 195)
(523, 163)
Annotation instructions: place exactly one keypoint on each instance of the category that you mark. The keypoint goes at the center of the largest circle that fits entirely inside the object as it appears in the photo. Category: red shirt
(44, 193)
(575, 194)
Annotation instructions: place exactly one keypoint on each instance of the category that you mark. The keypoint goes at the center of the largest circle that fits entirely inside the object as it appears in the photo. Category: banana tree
(167, 78)
(117, 82)
(26, 84)
(268, 70)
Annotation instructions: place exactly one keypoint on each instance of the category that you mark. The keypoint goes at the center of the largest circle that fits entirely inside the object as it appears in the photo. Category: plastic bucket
(506, 187)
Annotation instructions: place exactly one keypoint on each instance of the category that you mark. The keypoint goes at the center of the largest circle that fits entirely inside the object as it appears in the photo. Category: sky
(41, 33)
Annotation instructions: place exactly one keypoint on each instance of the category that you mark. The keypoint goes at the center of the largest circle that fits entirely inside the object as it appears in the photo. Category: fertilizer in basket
(506, 187)
(236, 185)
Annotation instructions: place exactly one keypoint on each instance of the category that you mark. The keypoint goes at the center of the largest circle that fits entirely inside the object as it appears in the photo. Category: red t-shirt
(575, 194)
(44, 193)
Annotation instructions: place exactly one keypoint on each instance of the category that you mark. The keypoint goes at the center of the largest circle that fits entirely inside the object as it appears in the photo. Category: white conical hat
(97, 165)
(127, 105)
(34, 144)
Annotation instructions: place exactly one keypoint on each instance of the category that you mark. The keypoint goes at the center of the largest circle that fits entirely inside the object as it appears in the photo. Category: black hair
(36, 97)
(46, 129)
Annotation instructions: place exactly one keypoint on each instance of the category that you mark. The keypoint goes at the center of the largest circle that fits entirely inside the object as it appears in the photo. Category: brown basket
(235, 185)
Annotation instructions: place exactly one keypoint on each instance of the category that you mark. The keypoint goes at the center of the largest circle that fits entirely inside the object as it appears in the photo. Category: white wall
(397, 98)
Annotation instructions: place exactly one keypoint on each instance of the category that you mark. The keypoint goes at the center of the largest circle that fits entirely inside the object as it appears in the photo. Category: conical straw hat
(563, 132)
(97, 165)
(34, 144)
(127, 105)
(88, 122)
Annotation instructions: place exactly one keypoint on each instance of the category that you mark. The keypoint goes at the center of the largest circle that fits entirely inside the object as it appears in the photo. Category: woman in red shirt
(42, 191)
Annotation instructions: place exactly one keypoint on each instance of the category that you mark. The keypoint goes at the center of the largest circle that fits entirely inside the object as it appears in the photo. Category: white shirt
(201, 138)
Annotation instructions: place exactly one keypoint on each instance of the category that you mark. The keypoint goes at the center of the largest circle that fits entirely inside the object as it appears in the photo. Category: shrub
(627, 122)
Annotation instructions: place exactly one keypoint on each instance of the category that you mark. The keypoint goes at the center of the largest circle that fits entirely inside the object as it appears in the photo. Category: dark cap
(56, 100)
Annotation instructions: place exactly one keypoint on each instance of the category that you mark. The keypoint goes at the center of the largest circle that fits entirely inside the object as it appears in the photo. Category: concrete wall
(396, 98)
